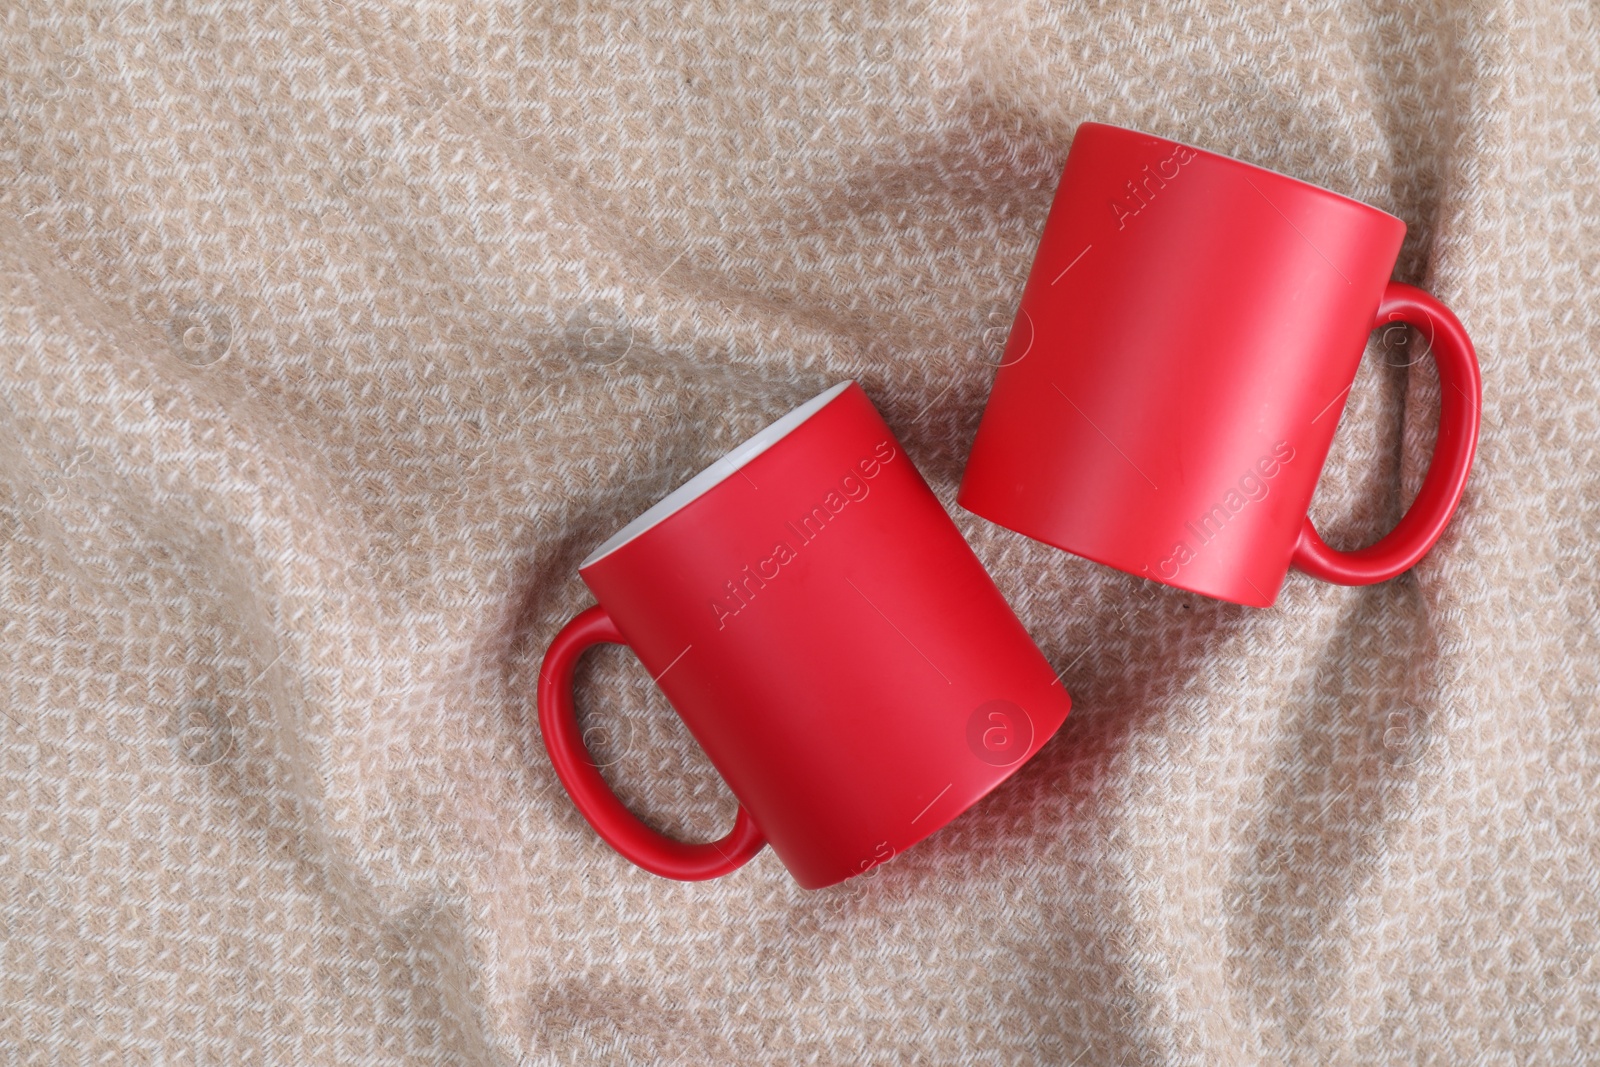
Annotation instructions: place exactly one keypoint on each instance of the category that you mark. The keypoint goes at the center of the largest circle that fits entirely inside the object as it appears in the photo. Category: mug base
(960, 798)
(1250, 596)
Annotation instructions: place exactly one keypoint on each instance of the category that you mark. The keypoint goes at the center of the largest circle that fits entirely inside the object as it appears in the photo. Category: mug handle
(1460, 403)
(622, 830)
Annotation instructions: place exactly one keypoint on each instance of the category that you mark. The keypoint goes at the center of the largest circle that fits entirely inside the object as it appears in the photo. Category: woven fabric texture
(335, 333)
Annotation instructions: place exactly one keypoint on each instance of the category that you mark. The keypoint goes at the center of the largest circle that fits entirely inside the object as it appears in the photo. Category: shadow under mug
(1187, 336)
(827, 636)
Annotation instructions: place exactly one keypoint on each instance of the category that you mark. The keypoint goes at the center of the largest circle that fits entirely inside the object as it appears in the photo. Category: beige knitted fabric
(335, 333)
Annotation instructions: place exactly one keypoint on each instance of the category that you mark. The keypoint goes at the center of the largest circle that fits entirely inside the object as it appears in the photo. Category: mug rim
(725, 467)
(1240, 163)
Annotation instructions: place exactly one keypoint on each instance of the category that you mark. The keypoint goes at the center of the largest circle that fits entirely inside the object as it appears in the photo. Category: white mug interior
(716, 474)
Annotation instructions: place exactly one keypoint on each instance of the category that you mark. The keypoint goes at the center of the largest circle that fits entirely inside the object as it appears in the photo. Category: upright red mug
(830, 640)
(1180, 358)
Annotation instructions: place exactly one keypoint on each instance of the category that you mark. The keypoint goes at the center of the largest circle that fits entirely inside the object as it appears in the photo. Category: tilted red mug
(1187, 336)
(828, 637)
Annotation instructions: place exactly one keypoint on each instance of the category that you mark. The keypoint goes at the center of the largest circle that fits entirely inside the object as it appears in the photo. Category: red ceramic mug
(830, 640)
(1180, 358)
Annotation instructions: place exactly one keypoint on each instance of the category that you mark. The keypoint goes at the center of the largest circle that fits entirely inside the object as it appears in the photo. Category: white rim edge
(716, 474)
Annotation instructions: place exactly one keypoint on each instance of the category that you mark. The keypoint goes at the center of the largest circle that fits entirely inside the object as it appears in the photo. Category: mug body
(830, 639)
(1186, 338)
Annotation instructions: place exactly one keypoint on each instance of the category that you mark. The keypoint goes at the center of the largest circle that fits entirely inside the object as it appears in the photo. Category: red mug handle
(1460, 402)
(622, 830)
